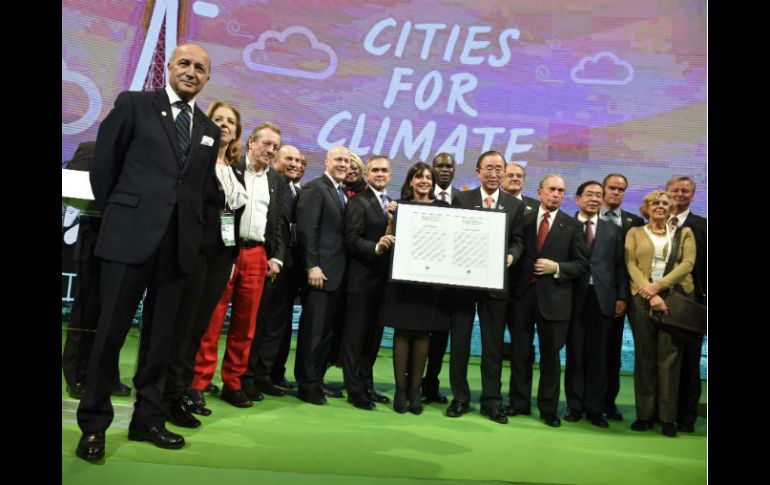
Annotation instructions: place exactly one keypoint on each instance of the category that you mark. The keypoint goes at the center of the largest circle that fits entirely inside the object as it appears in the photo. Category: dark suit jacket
(293, 255)
(277, 227)
(530, 204)
(514, 215)
(365, 224)
(321, 230)
(608, 269)
(629, 220)
(564, 244)
(137, 182)
(698, 226)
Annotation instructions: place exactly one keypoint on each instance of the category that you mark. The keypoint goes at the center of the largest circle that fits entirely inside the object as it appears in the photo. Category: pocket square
(207, 140)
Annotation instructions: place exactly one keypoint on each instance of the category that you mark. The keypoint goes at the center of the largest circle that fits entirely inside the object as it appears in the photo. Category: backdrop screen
(580, 88)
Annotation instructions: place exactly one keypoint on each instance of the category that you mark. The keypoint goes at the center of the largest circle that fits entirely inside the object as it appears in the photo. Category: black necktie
(182, 124)
(589, 235)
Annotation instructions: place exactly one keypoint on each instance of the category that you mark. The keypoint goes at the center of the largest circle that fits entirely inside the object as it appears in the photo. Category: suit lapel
(556, 230)
(199, 126)
(163, 108)
(374, 204)
(333, 193)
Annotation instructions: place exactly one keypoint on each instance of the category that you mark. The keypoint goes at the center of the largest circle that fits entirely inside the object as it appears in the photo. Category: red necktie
(542, 232)
(589, 235)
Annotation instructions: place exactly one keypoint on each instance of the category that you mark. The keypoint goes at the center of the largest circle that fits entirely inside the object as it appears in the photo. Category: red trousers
(245, 287)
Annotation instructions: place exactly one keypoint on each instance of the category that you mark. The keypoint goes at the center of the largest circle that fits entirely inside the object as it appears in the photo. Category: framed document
(450, 246)
(76, 191)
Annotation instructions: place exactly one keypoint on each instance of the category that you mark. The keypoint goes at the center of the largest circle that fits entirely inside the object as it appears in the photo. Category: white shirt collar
(681, 216)
(495, 195)
(438, 190)
(541, 211)
(173, 98)
(594, 219)
(250, 167)
(336, 184)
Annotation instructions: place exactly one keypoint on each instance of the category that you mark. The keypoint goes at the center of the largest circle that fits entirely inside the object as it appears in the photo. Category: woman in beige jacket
(657, 353)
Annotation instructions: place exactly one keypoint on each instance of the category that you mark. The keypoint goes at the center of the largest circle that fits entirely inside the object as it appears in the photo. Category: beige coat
(639, 251)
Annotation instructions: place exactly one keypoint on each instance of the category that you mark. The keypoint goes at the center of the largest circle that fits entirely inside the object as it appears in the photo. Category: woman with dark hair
(354, 181)
(413, 310)
(659, 259)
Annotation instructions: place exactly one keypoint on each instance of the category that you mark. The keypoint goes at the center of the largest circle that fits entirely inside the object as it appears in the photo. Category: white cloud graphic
(94, 101)
(577, 72)
(281, 36)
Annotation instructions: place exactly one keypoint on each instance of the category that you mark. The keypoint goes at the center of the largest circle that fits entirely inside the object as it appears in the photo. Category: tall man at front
(614, 186)
(444, 168)
(154, 154)
(682, 190)
(366, 218)
(491, 305)
(262, 247)
(321, 235)
(598, 297)
(554, 256)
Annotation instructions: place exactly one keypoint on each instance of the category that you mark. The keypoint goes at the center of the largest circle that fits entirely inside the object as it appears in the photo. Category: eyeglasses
(490, 170)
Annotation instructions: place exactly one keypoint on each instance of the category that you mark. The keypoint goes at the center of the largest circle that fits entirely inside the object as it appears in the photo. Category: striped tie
(182, 123)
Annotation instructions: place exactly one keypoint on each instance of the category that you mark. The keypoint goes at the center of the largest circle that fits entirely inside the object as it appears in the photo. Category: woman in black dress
(413, 310)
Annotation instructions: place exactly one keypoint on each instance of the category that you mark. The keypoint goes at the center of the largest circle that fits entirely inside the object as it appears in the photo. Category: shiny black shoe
(668, 429)
(178, 414)
(457, 409)
(641, 425)
(551, 420)
(159, 436)
(312, 397)
(194, 407)
(685, 428)
(197, 397)
(252, 392)
(374, 396)
(121, 390)
(284, 383)
(510, 410)
(573, 415)
(361, 401)
(495, 414)
(270, 389)
(328, 392)
(597, 420)
(211, 389)
(75, 391)
(433, 396)
(614, 415)
(237, 398)
(91, 446)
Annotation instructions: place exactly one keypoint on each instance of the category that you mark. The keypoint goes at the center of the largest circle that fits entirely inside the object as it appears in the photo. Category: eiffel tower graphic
(159, 43)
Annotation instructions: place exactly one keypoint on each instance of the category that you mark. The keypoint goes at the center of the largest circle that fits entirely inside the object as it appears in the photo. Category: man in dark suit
(490, 168)
(554, 256)
(272, 338)
(154, 154)
(84, 316)
(598, 297)
(444, 167)
(682, 190)
(367, 244)
(321, 235)
(261, 233)
(614, 186)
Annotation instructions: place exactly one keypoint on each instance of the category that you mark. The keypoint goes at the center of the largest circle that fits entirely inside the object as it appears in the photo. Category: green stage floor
(282, 440)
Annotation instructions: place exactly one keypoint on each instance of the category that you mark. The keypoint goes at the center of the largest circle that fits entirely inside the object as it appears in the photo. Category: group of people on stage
(199, 226)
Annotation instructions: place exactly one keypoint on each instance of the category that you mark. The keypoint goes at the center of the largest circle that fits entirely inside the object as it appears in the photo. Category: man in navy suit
(554, 256)
(321, 235)
(598, 297)
(154, 154)
(491, 305)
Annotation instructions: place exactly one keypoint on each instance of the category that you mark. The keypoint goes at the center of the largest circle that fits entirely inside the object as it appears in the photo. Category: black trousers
(314, 338)
(361, 339)
(614, 347)
(202, 291)
(552, 335)
(272, 337)
(492, 321)
(511, 317)
(438, 344)
(122, 286)
(585, 375)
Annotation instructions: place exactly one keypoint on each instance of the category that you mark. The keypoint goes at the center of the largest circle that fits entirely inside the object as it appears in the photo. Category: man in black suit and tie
(598, 297)
(154, 154)
(272, 339)
(554, 256)
(366, 219)
(614, 186)
(682, 190)
(321, 235)
(490, 168)
(444, 167)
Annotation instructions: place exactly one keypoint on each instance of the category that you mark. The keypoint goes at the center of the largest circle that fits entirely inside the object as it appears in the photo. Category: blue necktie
(341, 193)
(385, 200)
(182, 124)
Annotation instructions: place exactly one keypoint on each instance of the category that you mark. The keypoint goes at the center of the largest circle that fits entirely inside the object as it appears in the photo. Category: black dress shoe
(374, 396)
(178, 414)
(121, 390)
(159, 436)
(237, 398)
(641, 425)
(197, 397)
(457, 409)
(270, 389)
(496, 414)
(194, 407)
(668, 429)
(251, 392)
(328, 392)
(283, 383)
(573, 415)
(433, 396)
(551, 420)
(312, 397)
(211, 389)
(597, 420)
(510, 410)
(91, 446)
(361, 401)
(685, 428)
(614, 415)
(76, 390)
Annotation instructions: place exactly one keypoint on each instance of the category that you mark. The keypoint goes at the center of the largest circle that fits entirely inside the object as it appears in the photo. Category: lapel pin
(163, 113)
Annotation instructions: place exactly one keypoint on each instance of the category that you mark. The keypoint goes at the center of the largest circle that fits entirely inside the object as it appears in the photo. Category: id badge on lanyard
(227, 222)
